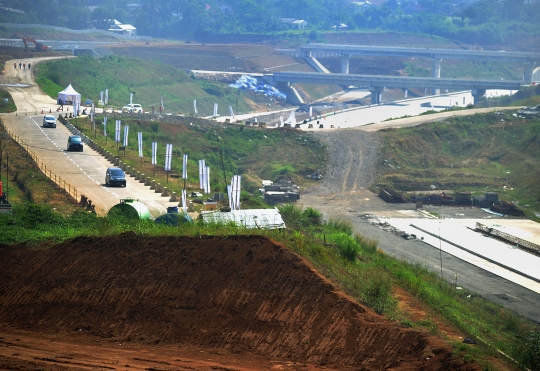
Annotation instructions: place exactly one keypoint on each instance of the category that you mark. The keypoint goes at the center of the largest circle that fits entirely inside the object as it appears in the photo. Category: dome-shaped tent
(130, 209)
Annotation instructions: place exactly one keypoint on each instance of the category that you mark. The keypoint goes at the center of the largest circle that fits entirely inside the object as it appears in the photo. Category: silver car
(49, 121)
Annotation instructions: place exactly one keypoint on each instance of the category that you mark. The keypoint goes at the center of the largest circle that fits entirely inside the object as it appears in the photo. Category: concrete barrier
(159, 188)
(148, 182)
(142, 178)
(174, 197)
(165, 192)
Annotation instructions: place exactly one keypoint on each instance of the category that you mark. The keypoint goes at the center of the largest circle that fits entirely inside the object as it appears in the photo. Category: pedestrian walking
(24, 66)
(15, 65)
(29, 65)
(20, 65)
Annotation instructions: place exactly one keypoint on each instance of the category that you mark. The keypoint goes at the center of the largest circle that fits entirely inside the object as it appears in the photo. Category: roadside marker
(42, 112)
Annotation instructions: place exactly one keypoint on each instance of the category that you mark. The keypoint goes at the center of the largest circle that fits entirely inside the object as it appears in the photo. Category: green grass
(8, 106)
(248, 151)
(150, 80)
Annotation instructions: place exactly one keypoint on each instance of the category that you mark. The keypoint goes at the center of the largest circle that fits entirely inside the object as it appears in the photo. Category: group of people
(22, 66)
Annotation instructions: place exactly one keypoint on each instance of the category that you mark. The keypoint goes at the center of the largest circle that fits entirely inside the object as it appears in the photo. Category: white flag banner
(195, 105)
(203, 187)
(256, 119)
(139, 144)
(215, 109)
(406, 91)
(126, 132)
(207, 179)
(168, 157)
(118, 127)
(238, 189)
(184, 167)
(92, 112)
(105, 126)
(291, 120)
(235, 192)
(281, 121)
(201, 174)
(130, 98)
(101, 97)
(106, 96)
(162, 106)
(310, 111)
(231, 112)
(154, 153)
(184, 202)
(229, 196)
(75, 108)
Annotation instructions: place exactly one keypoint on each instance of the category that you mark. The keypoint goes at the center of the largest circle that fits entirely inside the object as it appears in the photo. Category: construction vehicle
(37, 45)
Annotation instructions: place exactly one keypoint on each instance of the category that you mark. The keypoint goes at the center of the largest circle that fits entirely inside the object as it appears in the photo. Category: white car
(133, 108)
(49, 121)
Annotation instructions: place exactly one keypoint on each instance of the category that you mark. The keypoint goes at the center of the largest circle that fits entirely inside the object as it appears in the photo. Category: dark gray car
(75, 143)
(115, 177)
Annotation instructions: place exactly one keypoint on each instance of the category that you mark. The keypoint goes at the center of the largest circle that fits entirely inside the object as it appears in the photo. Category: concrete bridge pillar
(376, 94)
(345, 58)
(477, 94)
(528, 72)
(436, 70)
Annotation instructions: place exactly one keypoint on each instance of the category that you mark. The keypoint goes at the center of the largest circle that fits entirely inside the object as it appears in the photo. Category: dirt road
(344, 195)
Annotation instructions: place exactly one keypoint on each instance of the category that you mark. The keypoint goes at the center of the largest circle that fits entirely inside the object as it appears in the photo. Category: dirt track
(237, 296)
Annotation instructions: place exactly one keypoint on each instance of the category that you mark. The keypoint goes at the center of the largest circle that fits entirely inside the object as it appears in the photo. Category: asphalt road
(83, 170)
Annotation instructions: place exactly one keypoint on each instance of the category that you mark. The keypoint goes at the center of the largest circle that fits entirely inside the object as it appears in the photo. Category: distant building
(341, 26)
(124, 29)
(362, 5)
(299, 24)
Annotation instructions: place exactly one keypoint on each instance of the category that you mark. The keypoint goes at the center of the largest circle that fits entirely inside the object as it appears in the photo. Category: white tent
(68, 96)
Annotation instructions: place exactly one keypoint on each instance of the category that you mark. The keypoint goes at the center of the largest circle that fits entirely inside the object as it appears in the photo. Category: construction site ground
(131, 302)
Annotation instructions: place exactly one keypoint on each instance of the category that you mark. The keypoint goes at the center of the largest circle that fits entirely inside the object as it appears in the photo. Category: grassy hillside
(495, 152)
(150, 80)
(255, 153)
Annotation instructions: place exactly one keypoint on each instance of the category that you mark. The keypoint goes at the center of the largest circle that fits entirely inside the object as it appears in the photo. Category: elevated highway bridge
(310, 52)
(376, 83)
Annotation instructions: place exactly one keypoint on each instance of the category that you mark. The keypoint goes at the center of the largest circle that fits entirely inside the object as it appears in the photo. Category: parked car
(75, 143)
(132, 108)
(49, 121)
(115, 176)
(88, 102)
(195, 194)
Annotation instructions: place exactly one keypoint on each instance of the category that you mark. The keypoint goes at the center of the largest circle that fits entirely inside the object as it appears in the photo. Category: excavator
(37, 45)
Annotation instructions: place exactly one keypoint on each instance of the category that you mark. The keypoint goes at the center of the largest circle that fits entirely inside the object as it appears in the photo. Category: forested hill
(482, 22)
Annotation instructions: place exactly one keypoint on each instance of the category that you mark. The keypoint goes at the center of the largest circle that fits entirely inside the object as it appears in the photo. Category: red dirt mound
(244, 295)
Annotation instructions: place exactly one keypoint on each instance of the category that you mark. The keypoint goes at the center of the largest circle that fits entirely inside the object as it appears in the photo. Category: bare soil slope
(247, 296)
